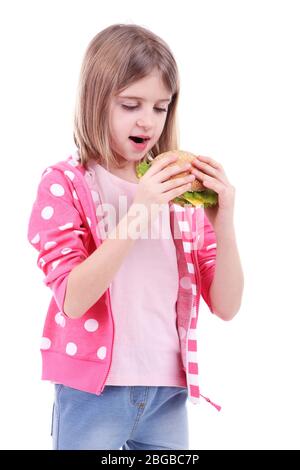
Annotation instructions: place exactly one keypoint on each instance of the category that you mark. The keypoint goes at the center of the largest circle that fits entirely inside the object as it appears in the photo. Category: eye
(130, 108)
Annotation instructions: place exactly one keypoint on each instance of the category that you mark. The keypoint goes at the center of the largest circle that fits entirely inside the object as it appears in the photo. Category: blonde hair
(115, 58)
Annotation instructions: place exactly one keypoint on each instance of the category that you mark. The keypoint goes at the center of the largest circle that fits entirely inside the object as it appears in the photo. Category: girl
(119, 339)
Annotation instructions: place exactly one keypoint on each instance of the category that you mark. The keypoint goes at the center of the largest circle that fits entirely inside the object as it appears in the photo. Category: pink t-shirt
(146, 343)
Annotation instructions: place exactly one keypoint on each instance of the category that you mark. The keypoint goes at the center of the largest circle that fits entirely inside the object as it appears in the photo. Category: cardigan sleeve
(206, 256)
(57, 231)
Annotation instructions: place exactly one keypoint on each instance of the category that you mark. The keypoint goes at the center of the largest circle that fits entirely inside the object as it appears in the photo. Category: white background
(240, 104)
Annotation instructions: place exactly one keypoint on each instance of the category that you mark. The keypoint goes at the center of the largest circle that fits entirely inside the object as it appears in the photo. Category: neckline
(121, 180)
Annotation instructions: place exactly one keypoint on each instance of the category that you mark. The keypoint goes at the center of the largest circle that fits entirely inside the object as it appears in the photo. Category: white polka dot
(91, 325)
(57, 189)
(73, 163)
(79, 231)
(49, 245)
(65, 251)
(71, 349)
(45, 343)
(101, 353)
(75, 195)
(185, 282)
(36, 238)
(47, 212)
(89, 221)
(55, 263)
(42, 262)
(95, 195)
(60, 319)
(69, 174)
(66, 226)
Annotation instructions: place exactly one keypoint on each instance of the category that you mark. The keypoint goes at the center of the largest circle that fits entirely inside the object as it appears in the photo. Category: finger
(210, 170)
(174, 183)
(176, 192)
(212, 183)
(158, 165)
(200, 169)
(203, 160)
(172, 170)
(209, 161)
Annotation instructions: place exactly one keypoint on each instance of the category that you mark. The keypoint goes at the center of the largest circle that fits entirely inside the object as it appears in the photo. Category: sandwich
(198, 195)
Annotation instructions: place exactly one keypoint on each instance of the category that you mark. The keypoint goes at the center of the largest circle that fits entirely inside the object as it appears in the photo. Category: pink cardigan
(63, 228)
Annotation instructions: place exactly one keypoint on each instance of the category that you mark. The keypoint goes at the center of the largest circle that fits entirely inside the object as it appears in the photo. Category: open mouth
(138, 140)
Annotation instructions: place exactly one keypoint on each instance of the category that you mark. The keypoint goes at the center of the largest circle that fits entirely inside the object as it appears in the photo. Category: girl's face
(140, 109)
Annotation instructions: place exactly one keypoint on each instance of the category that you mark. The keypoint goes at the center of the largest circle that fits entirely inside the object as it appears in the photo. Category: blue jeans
(122, 417)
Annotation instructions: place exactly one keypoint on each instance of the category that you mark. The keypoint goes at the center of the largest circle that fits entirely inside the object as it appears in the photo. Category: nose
(146, 121)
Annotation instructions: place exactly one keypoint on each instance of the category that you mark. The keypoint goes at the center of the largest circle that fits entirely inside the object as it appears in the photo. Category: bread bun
(182, 158)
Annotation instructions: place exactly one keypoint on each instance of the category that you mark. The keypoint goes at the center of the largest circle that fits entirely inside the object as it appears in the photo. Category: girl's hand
(212, 176)
(155, 188)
